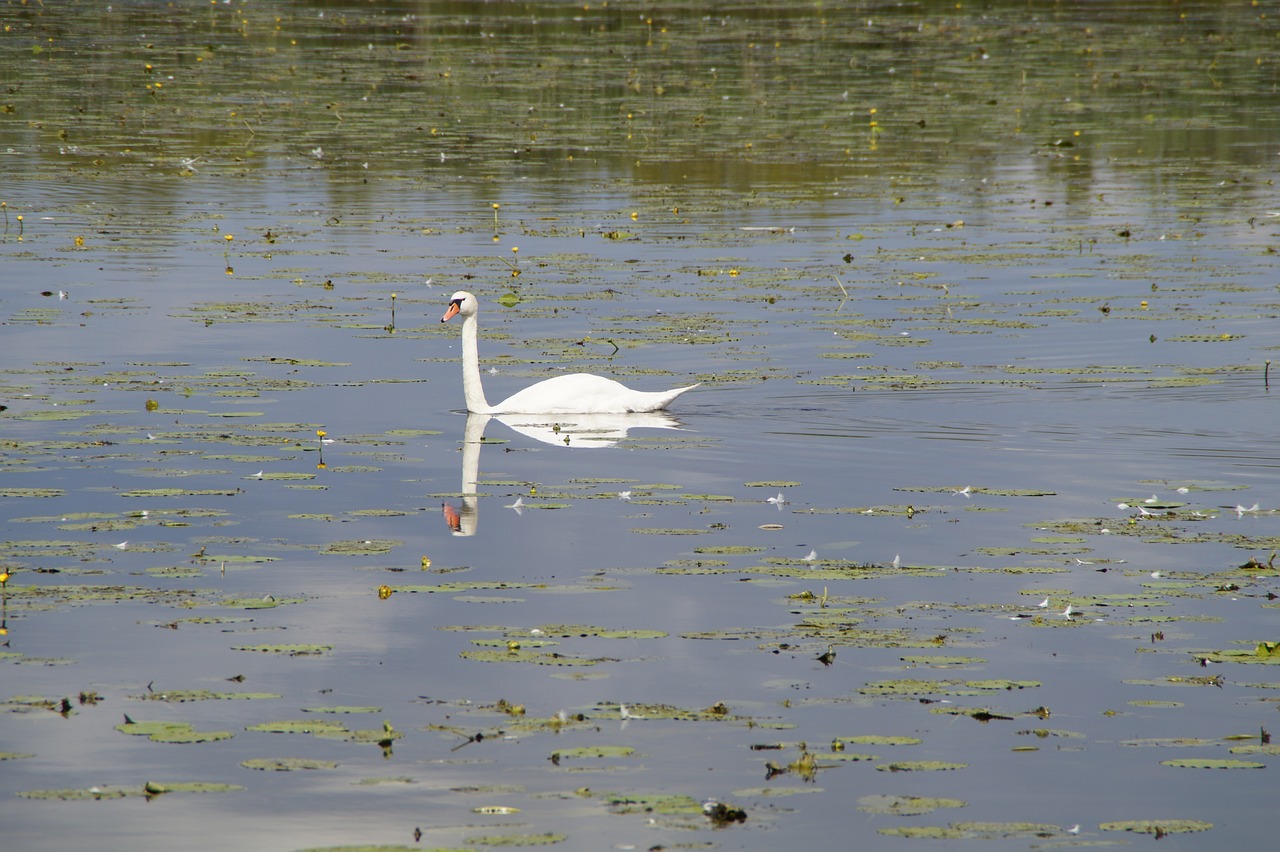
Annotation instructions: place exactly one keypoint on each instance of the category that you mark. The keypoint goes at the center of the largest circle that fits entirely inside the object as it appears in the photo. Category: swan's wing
(583, 393)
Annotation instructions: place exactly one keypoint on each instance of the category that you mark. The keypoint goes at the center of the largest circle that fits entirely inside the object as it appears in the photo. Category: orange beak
(452, 312)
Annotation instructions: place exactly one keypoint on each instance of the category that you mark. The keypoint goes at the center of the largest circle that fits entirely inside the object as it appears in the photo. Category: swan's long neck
(471, 387)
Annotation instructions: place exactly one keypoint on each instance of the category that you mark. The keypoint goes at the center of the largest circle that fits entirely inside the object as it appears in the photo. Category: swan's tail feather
(661, 399)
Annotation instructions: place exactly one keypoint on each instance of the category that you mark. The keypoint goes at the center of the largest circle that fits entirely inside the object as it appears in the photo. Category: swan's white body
(579, 393)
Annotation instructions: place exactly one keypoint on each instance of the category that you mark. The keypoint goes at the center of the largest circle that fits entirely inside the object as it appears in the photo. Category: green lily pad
(976, 831)
(516, 839)
(650, 803)
(453, 588)
(844, 757)
(61, 414)
(907, 687)
(669, 531)
(155, 787)
(1256, 748)
(259, 603)
(1241, 656)
(293, 650)
(286, 764)
(775, 792)
(298, 726)
(366, 547)
(179, 492)
(237, 558)
(172, 732)
(87, 794)
(593, 752)
(380, 736)
(878, 739)
(1002, 684)
(905, 805)
(299, 362)
(44, 661)
(1210, 763)
(1150, 826)
(1045, 733)
(1169, 742)
(714, 713)
(191, 736)
(179, 696)
(341, 709)
(940, 660)
(531, 657)
(565, 631)
(175, 572)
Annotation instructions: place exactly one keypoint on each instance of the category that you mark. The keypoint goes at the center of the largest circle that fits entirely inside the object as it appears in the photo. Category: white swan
(579, 393)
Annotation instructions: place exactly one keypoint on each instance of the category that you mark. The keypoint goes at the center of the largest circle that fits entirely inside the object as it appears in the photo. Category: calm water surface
(983, 303)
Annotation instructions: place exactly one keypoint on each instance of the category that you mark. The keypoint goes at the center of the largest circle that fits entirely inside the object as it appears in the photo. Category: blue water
(938, 365)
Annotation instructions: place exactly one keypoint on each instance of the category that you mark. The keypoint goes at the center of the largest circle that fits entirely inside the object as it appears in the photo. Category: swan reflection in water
(574, 431)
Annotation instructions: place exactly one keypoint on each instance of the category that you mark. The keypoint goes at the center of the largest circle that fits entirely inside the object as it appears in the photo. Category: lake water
(968, 533)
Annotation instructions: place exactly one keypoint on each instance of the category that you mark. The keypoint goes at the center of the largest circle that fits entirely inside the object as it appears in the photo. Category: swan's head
(463, 303)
